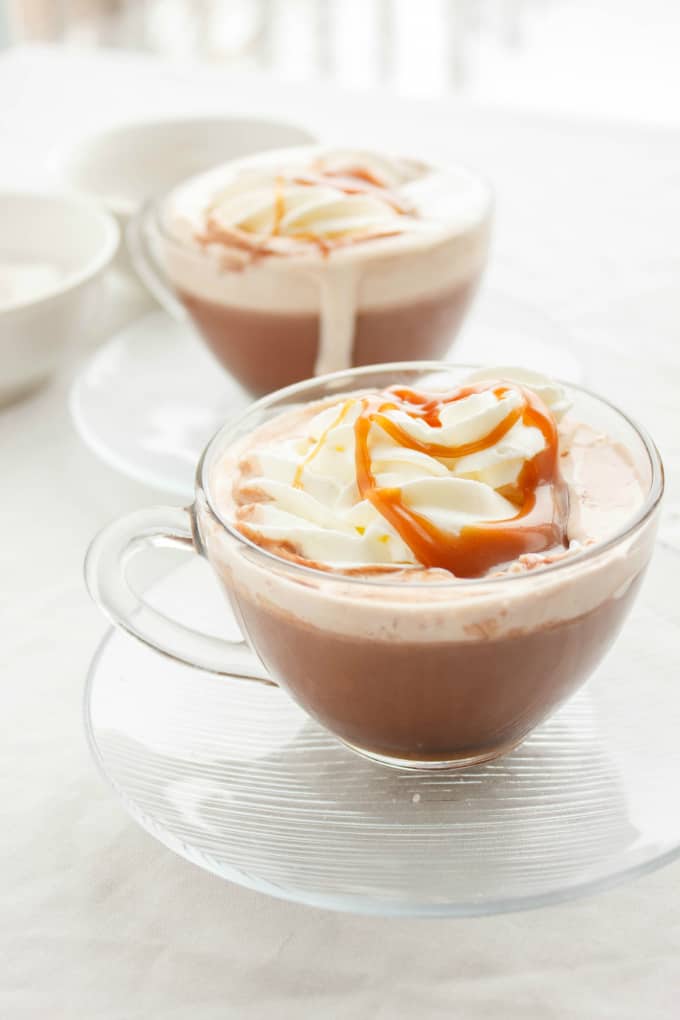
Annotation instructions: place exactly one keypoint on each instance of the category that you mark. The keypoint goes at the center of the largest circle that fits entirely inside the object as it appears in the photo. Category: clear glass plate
(171, 396)
(234, 777)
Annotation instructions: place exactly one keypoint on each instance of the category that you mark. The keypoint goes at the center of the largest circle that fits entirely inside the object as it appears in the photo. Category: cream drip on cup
(340, 235)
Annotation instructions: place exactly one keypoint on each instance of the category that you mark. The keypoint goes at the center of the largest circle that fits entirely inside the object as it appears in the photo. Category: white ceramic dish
(127, 164)
(53, 250)
(170, 394)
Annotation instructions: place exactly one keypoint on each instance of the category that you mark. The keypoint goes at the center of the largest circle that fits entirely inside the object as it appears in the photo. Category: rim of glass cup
(651, 501)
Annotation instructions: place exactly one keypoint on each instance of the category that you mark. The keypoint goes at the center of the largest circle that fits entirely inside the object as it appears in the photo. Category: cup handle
(146, 263)
(106, 578)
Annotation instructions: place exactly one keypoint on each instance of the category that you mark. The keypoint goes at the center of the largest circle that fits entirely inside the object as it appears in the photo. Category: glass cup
(281, 319)
(415, 675)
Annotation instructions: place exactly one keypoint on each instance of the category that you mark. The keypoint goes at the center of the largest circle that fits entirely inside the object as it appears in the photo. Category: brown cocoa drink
(244, 339)
(431, 569)
(455, 701)
(312, 260)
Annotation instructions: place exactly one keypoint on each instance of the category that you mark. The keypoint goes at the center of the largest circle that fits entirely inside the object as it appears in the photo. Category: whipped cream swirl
(331, 200)
(298, 491)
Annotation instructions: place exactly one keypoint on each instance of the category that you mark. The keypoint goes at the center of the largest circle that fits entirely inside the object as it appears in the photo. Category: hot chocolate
(401, 497)
(311, 260)
(428, 561)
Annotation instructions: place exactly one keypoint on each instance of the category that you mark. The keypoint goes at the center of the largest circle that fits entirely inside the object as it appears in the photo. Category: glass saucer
(234, 777)
(171, 396)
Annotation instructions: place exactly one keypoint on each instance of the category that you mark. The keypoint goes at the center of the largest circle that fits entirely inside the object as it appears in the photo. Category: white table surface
(97, 920)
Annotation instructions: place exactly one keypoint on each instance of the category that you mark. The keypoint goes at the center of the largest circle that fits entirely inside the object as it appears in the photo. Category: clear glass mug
(279, 320)
(416, 675)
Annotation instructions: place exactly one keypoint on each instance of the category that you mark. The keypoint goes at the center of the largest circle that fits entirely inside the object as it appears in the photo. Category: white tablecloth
(97, 920)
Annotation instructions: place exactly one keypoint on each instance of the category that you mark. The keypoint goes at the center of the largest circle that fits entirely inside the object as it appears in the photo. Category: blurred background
(612, 58)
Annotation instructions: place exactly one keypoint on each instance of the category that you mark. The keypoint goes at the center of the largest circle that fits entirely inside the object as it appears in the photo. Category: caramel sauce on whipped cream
(324, 206)
(466, 481)
(539, 493)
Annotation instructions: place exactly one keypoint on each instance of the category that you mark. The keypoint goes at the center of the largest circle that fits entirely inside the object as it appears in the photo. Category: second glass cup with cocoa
(313, 260)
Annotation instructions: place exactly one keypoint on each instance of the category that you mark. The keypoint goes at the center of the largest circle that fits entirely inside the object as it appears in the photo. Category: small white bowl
(53, 250)
(126, 165)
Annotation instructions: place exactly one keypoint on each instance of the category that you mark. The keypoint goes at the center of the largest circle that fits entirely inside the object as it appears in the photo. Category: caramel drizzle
(279, 204)
(354, 180)
(357, 173)
(339, 418)
(357, 180)
(539, 493)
